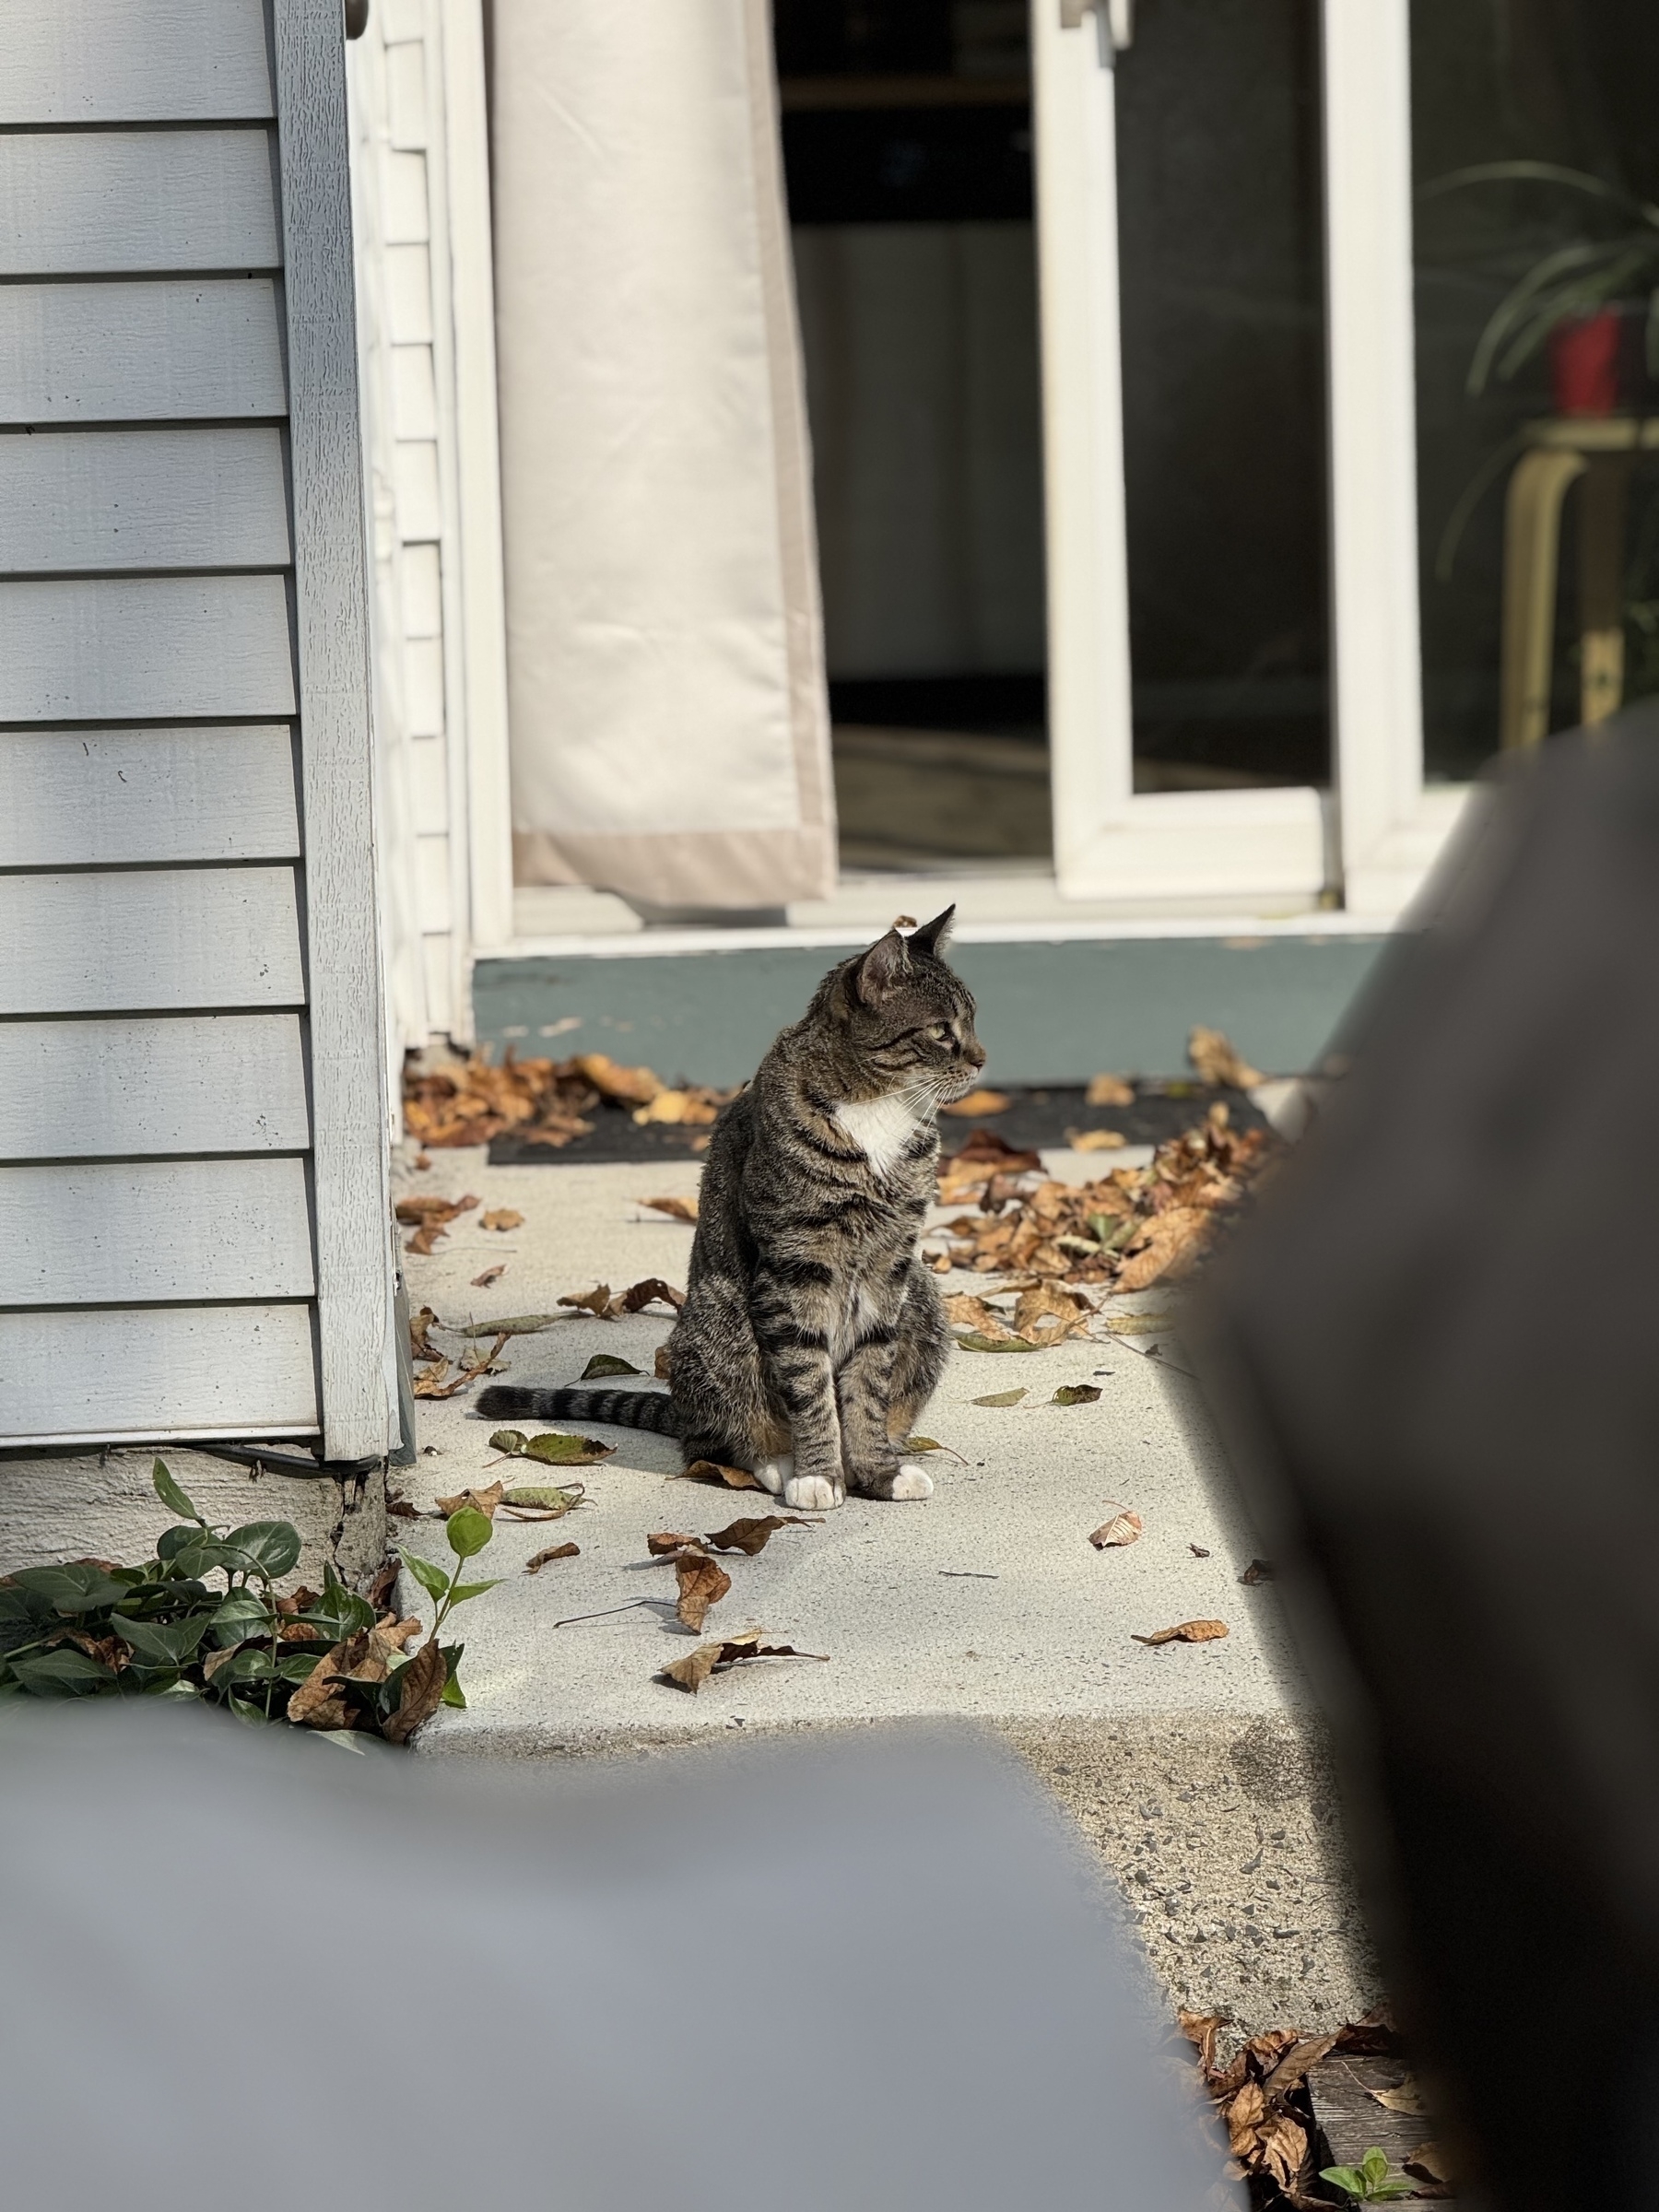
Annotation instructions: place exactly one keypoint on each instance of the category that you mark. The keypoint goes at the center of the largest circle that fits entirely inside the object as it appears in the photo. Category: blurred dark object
(357, 17)
(1434, 1357)
(241, 1965)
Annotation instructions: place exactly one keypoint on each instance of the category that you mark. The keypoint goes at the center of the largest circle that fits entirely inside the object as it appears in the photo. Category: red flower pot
(1584, 360)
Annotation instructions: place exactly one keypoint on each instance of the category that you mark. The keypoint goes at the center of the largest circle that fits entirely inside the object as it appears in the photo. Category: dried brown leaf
(425, 1239)
(485, 1500)
(429, 1206)
(659, 1366)
(596, 1301)
(1187, 1631)
(735, 1478)
(1166, 1246)
(667, 1541)
(431, 1383)
(1405, 2097)
(1292, 2068)
(653, 1289)
(626, 1086)
(1139, 1325)
(1122, 1525)
(502, 1217)
(1108, 1090)
(679, 1209)
(1201, 2028)
(420, 1344)
(1217, 1059)
(1075, 1393)
(1258, 1570)
(399, 1634)
(702, 1582)
(318, 1702)
(1429, 2162)
(692, 1107)
(692, 1671)
(970, 1312)
(977, 1103)
(1048, 1312)
(1096, 1140)
(753, 1532)
(421, 1681)
(553, 1552)
(1002, 1397)
(491, 1276)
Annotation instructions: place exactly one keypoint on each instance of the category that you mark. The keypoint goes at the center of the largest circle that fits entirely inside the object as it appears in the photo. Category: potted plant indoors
(1591, 303)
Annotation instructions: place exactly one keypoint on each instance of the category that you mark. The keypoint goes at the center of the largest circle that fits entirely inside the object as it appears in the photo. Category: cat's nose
(976, 1055)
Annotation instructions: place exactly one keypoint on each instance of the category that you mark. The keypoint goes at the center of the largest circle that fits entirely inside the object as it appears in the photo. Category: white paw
(912, 1481)
(813, 1493)
(772, 1474)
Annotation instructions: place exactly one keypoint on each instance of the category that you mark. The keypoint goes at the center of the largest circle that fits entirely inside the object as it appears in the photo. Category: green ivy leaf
(468, 1531)
(77, 1586)
(339, 1612)
(189, 1552)
(64, 1673)
(431, 1578)
(238, 1617)
(555, 1450)
(607, 1363)
(163, 1643)
(172, 1497)
(509, 1439)
(462, 1591)
(1075, 1394)
(263, 1547)
(547, 1494)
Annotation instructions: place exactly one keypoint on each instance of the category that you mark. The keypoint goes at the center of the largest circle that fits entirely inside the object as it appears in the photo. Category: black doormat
(1033, 1120)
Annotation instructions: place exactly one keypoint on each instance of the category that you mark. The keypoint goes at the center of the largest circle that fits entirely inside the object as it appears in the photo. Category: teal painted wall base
(1047, 1013)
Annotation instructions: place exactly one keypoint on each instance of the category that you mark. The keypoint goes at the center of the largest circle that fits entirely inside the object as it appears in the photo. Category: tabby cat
(812, 1336)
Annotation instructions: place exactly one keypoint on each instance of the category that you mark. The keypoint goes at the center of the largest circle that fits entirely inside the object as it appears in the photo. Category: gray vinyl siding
(193, 1227)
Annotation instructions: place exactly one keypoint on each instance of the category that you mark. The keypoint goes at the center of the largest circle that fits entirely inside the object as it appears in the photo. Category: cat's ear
(886, 962)
(933, 937)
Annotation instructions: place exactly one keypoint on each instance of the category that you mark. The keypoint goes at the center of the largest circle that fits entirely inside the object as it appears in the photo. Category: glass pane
(1537, 252)
(1224, 422)
(907, 139)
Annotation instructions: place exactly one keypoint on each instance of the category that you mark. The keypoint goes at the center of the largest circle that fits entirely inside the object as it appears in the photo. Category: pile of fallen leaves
(543, 1102)
(1262, 2096)
(1132, 1228)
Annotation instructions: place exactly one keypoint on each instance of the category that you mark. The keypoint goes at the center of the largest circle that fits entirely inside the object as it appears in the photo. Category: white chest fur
(880, 1127)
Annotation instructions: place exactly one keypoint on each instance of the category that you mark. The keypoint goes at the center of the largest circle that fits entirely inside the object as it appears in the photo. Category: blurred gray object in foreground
(256, 1970)
(1435, 1355)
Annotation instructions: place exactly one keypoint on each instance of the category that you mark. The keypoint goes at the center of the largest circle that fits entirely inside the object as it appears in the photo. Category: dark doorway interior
(907, 138)
(1220, 237)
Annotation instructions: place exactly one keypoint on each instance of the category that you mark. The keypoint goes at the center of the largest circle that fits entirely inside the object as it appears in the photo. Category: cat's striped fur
(812, 1336)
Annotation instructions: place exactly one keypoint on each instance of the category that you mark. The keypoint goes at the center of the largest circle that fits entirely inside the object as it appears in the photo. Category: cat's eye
(939, 1031)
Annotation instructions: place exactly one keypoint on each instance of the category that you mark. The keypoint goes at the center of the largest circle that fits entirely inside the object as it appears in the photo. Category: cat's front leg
(874, 1464)
(803, 1385)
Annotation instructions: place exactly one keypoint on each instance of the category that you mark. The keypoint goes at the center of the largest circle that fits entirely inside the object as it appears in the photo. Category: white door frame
(1252, 845)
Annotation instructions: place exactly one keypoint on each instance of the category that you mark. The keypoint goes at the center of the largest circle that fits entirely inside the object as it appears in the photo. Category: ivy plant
(202, 1618)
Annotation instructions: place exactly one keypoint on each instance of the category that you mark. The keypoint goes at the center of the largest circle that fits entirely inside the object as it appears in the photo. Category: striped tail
(650, 1409)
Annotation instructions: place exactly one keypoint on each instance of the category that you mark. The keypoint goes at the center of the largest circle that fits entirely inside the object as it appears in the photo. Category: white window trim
(1150, 858)
(1108, 842)
(458, 26)
(1392, 826)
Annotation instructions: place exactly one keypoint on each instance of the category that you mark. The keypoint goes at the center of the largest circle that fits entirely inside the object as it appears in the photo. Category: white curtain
(669, 720)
